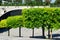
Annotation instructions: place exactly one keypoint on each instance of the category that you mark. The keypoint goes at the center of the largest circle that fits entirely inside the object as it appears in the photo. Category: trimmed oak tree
(51, 18)
(14, 22)
(32, 18)
(42, 17)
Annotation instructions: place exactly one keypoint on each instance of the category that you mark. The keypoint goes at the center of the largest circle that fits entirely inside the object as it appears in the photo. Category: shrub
(14, 21)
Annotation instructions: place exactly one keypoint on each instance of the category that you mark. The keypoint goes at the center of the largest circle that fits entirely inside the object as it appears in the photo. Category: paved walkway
(26, 33)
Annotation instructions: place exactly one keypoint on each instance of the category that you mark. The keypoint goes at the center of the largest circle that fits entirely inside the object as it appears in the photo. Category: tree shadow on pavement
(40, 37)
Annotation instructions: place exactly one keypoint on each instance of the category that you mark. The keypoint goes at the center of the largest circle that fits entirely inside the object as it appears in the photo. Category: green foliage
(32, 17)
(57, 1)
(11, 22)
(14, 21)
(27, 3)
(0, 2)
(38, 17)
(3, 24)
(33, 3)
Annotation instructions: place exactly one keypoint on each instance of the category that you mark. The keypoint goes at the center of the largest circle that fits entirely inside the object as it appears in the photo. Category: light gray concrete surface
(26, 33)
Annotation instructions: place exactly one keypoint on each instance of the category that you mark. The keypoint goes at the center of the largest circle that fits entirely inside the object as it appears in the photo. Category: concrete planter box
(3, 30)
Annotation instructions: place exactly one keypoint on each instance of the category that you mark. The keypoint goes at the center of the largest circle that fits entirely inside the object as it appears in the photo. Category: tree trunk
(8, 31)
(19, 31)
(51, 34)
(33, 32)
(48, 32)
(43, 32)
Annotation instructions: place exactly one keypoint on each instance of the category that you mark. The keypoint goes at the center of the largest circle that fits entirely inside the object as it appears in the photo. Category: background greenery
(31, 3)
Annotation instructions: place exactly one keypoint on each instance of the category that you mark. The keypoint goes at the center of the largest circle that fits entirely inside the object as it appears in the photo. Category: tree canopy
(38, 17)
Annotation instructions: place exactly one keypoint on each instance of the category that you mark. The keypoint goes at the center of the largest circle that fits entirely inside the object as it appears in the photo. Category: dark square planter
(4, 30)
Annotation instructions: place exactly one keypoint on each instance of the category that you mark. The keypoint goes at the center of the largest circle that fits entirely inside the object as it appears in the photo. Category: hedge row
(34, 18)
(11, 22)
(38, 17)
